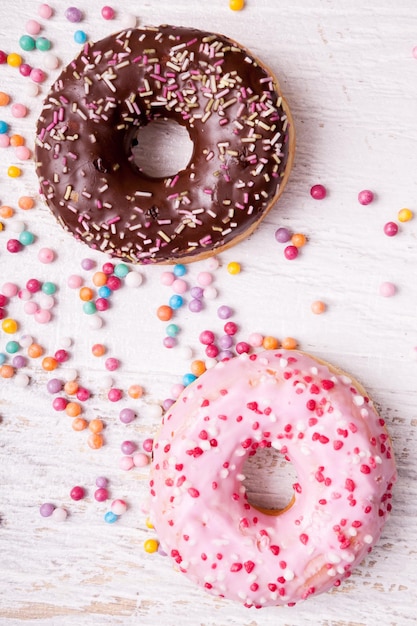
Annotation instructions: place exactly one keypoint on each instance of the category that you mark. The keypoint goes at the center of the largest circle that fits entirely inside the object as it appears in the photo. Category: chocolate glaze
(234, 115)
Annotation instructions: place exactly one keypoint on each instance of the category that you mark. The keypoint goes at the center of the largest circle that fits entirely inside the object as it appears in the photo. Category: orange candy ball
(289, 343)
(6, 211)
(164, 313)
(26, 203)
(86, 294)
(73, 409)
(35, 351)
(270, 343)
(99, 279)
(135, 391)
(98, 349)
(16, 141)
(4, 99)
(79, 423)
(198, 367)
(49, 364)
(95, 441)
(71, 387)
(298, 240)
(6, 371)
(318, 307)
(96, 426)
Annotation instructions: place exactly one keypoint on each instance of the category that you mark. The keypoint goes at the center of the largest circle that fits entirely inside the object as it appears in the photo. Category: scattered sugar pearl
(255, 340)
(318, 192)
(112, 364)
(318, 307)
(147, 445)
(77, 493)
(80, 36)
(31, 308)
(114, 394)
(25, 70)
(197, 292)
(133, 279)
(46, 509)
(186, 353)
(118, 507)
(291, 252)
(391, 229)
(205, 279)
(152, 411)
(23, 153)
(33, 27)
(59, 514)
(69, 374)
(9, 289)
(95, 322)
(210, 292)
(101, 494)
(140, 459)
(26, 341)
(126, 416)
(242, 347)
(45, 11)
(21, 380)
(37, 75)
(108, 13)
(32, 90)
(282, 235)
(4, 141)
(126, 463)
(43, 316)
(46, 255)
(179, 286)
(365, 197)
(387, 289)
(224, 312)
(167, 278)
(195, 305)
(110, 517)
(43, 44)
(73, 14)
(129, 20)
(414, 52)
(128, 447)
(405, 215)
(151, 545)
(50, 61)
(233, 268)
(102, 481)
(236, 5)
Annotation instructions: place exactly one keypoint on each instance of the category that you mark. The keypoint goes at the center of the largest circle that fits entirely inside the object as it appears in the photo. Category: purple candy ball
(88, 264)
(197, 292)
(102, 482)
(128, 447)
(225, 342)
(282, 235)
(167, 403)
(225, 354)
(126, 416)
(19, 361)
(46, 509)
(224, 312)
(54, 385)
(195, 305)
(73, 14)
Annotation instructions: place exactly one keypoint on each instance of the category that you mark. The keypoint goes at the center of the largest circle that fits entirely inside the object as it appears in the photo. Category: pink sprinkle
(194, 493)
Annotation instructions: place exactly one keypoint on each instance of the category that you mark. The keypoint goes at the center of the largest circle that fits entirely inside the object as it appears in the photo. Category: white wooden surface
(348, 73)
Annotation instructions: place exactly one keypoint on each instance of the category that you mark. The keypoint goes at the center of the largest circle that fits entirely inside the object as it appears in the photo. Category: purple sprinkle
(195, 305)
(46, 509)
(54, 385)
(224, 312)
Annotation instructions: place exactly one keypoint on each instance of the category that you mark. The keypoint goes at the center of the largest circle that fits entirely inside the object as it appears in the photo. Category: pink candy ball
(74, 281)
(43, 316)
(37, 75)
(205, 279)
(318, 192)
(31, 307)
(112, 364)
(23, 153)
(126, 463)
(391, 229)
(25, 69)
(140, 459)
(101, 494)
(179, 286)
(4, 141)
(19, 110)
(46, 255)
(9, 290)
(115, 395)
(167, 278)
(365, 197)
(45, 11)
(108, 13)
(255, 340)
(387, 289)
(33, 27)
(148, 445)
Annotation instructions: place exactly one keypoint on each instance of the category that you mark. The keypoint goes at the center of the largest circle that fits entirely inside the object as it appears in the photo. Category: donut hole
(161, 148)
(269, 480)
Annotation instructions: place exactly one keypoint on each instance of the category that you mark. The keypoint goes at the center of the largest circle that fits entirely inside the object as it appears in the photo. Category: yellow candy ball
(233, 267)
(9, 325)
(405, 215)
(1, 226)
(14, 171)
(236, 5)
(14, 59)
(149, 524)
(151, 545)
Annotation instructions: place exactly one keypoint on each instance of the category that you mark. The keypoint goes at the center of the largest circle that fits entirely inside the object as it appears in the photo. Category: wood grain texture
(348, 74)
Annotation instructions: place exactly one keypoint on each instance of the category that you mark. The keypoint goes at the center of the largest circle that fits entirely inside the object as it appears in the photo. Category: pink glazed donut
(322, 422)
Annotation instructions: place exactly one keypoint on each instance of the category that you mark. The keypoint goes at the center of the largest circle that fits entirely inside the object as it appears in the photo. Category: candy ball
(365, 197)
(118, 507)
(110, 517)
(59, 514)
(77, 493)
(46, 509)
(73, 14)
(391, 229)
(387, 289)
(108, 13)
(318, 192)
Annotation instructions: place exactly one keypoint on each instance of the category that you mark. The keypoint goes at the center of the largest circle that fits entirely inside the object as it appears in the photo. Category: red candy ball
(391, 229)
(101, 494)
(291, 252)
(13, 246)
(318, 192)
(230, 328)
(77, 493)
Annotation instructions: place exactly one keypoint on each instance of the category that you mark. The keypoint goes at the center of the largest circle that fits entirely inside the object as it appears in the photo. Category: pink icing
(323, 425)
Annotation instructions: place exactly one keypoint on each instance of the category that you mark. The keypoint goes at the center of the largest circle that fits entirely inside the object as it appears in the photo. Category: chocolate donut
(232, 109)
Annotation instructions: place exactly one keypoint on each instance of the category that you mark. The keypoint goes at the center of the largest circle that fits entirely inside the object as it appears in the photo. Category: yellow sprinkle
(405, 215)
(151, 545)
